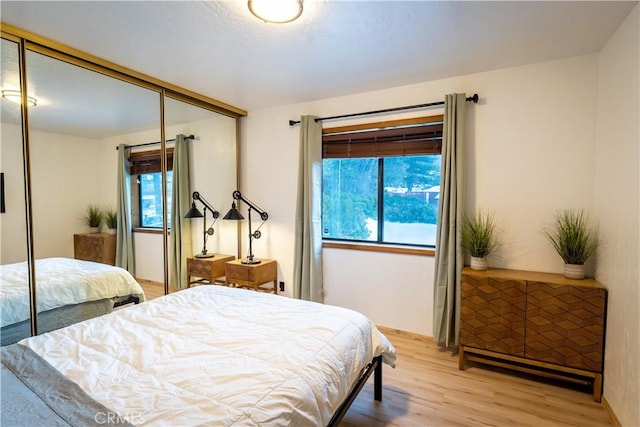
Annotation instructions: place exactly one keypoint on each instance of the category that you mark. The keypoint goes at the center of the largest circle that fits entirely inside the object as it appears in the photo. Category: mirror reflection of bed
(80, 118)
(69, 291)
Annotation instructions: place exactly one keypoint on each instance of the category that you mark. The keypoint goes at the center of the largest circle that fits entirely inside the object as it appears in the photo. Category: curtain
(180, 234)
(307, 270)
(124, 235)
(449, 257)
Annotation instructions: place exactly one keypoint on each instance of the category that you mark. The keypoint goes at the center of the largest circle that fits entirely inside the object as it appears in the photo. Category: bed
(208, 355)
(68, 291)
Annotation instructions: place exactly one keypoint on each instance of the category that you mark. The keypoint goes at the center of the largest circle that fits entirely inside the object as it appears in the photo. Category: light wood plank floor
(151, 289)
(427, 389)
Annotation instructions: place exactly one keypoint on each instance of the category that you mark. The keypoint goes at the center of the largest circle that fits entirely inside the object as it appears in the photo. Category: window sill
(379, 248)
(148, 230)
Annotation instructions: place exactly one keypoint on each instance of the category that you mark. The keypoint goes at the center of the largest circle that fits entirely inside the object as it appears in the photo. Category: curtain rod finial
(293, 122)
(473, 98)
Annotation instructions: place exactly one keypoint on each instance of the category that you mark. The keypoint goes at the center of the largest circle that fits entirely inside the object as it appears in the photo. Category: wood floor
(151, 289)
(427, 389)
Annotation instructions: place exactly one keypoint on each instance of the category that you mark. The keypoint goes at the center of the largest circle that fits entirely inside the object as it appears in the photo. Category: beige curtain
(307, 271)
(124, 234)
(180, 234)
(449, 257)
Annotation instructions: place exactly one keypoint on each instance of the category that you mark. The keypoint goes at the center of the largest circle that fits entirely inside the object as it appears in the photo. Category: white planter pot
(94, 229)
(574, 271)
(111, 230)
(478, 263)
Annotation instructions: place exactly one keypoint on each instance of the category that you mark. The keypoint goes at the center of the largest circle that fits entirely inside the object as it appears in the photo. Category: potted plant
(93, 218)
(478, 237)
(111, 220)
(573, 238)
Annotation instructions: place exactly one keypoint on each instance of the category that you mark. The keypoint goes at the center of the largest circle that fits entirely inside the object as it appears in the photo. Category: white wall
(531, 148)
(616, 205)
(13, 225)
(66, 178)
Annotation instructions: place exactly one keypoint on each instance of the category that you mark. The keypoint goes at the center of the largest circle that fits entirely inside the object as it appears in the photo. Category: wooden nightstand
(207, 270)
(253, 275)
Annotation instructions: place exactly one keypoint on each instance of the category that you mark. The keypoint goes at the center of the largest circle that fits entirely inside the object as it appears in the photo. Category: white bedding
(212, 355)
(60, 282)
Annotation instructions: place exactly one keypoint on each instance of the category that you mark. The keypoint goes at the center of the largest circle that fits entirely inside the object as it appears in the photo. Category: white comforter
(218, 356)
(60, 282)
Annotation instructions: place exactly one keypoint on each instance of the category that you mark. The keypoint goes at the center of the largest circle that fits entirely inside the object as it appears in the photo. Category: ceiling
(220, 50)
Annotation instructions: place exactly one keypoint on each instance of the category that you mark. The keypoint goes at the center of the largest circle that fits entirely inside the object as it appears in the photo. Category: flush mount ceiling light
(15, 96)
(276, 11)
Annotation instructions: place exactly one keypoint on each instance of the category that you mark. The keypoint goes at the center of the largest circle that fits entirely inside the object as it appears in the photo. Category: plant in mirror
(93, 218)
(111, 220)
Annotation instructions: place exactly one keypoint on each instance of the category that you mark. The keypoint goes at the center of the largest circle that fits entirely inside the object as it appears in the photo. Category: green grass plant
(478, 234)
(572, 237)
(94, 216)
(111, 218)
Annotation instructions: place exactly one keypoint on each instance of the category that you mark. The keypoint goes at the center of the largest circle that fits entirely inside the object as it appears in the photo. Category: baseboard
(614, 419)
(411, 335)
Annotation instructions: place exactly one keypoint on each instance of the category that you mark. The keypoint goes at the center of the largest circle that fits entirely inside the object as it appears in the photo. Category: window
(150, 201)
(146, 196)
(381, 182)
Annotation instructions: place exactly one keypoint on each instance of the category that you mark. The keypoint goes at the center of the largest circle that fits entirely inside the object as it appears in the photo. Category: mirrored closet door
(203, 157)
(14, 272)
(99, 138)
(81, 119)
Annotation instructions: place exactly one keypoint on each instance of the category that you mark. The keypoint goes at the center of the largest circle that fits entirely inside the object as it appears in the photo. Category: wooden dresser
(97, 247)
(539, 323)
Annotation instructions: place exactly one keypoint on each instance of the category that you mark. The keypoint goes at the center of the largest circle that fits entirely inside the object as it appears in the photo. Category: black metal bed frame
(375, 365)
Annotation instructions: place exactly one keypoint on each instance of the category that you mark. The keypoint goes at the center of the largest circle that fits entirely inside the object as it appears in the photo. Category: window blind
(414, 139)
(149, 161)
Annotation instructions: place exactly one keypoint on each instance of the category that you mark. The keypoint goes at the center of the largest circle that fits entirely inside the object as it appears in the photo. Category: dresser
(538, 323)
(96, 247)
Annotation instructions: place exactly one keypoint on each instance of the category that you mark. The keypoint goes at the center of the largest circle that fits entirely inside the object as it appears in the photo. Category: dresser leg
(597, 388)
(461, 357)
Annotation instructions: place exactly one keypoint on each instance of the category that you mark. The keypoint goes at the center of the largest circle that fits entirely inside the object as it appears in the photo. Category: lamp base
(250, 261)
(205, 255)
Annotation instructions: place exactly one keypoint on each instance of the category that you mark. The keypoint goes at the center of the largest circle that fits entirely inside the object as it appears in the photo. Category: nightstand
(207, 270)
(253, 276)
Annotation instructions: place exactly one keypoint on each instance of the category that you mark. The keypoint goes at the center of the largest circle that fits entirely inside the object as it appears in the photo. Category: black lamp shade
(193, 212)
(233, 213)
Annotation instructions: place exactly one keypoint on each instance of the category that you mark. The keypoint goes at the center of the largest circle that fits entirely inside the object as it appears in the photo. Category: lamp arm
(239, 196)
(197, 196)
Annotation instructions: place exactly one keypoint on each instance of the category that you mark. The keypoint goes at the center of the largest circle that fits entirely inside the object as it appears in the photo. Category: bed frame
(375, 365)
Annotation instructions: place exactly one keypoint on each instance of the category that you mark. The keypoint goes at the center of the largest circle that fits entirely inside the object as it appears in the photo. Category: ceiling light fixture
(15, 96)
(276, 11)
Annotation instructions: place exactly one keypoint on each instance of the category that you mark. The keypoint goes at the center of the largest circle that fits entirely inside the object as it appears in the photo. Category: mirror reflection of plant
(572, 237)
(111, 218)
(94, 216)
(478, 234)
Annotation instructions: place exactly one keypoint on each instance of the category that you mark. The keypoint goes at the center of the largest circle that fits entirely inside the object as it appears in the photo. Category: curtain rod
(473, 99)
(157, 142)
